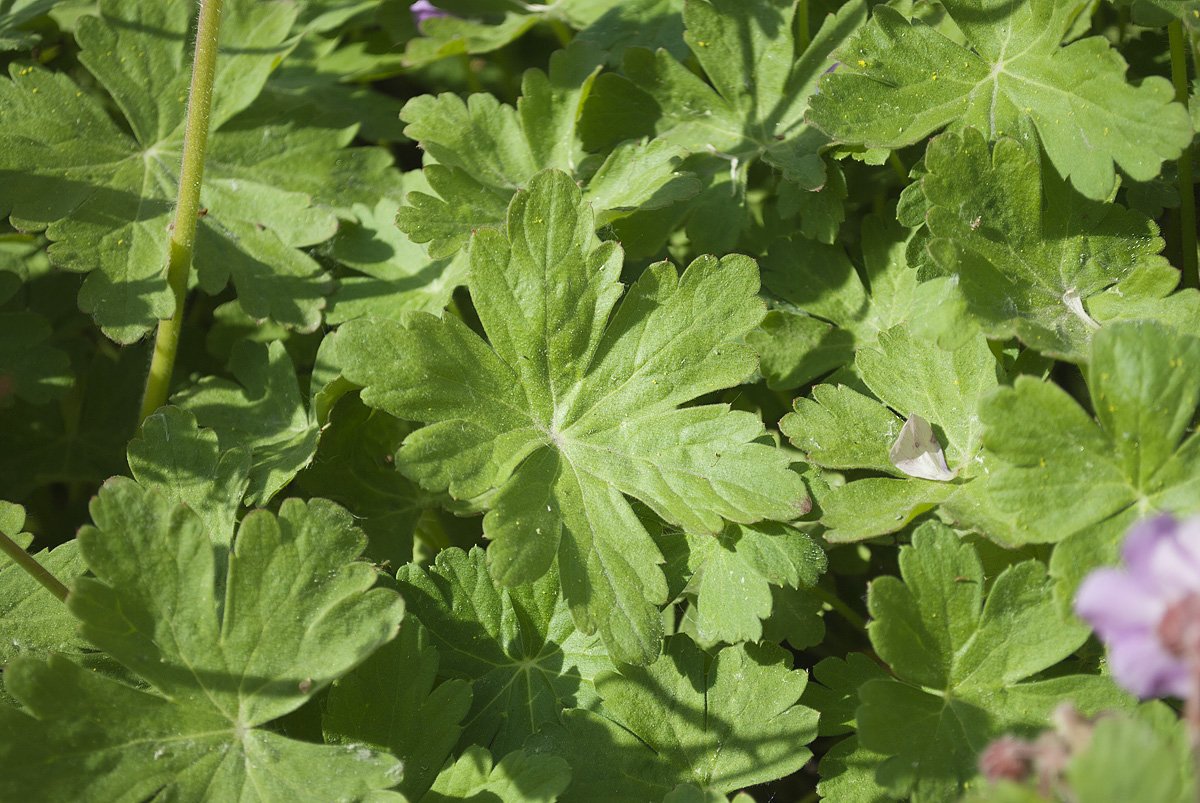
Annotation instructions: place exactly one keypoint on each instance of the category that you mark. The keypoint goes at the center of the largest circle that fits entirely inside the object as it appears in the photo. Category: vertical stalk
(898, 166)
(187, 208)
(562, 33)
(803, 38)
(1187, 206)
(36, 570)
(473, 84)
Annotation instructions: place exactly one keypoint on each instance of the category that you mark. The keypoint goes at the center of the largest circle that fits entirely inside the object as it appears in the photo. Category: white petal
(917, 452)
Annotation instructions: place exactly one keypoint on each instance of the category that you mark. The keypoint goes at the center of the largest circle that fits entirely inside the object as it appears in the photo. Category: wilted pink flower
(423, 10)
(1146, 611)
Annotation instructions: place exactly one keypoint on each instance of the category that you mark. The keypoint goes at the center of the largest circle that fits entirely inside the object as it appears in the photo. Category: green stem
(473, 84)
(803, 38)
(562, 32)
(898, 166)
(1187, 206)
(848, 613)
(36, 570)
(187, 209)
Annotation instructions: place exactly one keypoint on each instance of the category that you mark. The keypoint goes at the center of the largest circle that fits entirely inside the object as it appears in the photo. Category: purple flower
(423, 10)
(1146, 611)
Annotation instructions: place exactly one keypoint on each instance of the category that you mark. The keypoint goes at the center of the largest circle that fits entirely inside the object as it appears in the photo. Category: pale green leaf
(518, 777)
(900, 81)
(485, 150)
(390, 703)
(397, 274)
(963, 665)
(564, 411)
(840, 428)
(752, 107)
(104, 188)
(721, 721)
(297, 614)
(1031, 273)
(725, 722)
(518, 648)
(1059, 470)
(186, 464)
(262, 412)
(733, 575)
(825, 310)
(33, 622)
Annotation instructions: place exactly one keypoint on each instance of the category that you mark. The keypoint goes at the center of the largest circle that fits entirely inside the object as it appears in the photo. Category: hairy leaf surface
(296, 614)
(563, 415)
(900, 80)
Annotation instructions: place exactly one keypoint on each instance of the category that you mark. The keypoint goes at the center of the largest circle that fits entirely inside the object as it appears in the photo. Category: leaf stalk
(187, 208)
(1187, 205)
(35, 570)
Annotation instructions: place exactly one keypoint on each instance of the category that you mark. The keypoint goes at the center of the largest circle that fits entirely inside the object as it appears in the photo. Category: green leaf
(848, 774)
(827, 310)
(1033, 274)
(397, 273)
(390, 703)
(186, 464)
(1158, 13)
(16, 13)
(32, 369)
(840, 428)
(796, 617)
(297, 614)
(485, 150)
(563, 415)
(262, 412)
(1136, 455)
(690, 793)
(518, 777)
(518, 648)
(454, 35)
(963, 665)
(761, 81)
(1151, 749)
(355, 467)
(638, 23)
(315, 76)
(734, 571)
(834, 690)
(105, 196)
(900, 81)
(32, 621)
(80, 442)
(725, 722)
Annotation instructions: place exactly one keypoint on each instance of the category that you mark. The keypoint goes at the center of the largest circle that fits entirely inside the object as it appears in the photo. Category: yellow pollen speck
(35, 90)
(862, 63)
(934, 77)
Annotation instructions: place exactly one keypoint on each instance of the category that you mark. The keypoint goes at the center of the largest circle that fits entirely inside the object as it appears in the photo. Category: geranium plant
(664, 400)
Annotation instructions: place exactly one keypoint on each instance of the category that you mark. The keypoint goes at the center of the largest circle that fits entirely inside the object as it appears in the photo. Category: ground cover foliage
(667, 400)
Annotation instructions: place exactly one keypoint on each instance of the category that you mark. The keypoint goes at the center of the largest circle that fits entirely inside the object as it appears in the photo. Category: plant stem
(561, 32)
(898, 166)
(1187, 206)
(473, 84)
(803, 39)
(36, 570)
(848, 613)
(187, 209)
